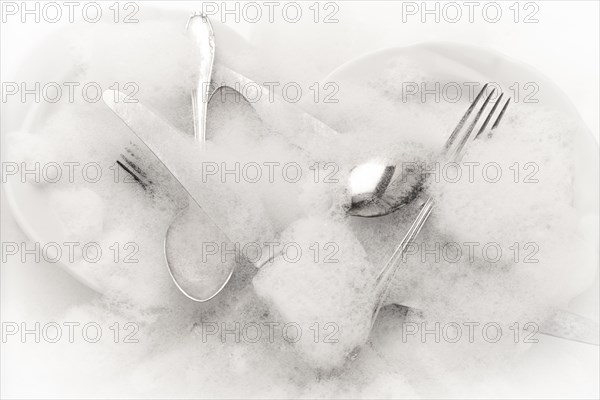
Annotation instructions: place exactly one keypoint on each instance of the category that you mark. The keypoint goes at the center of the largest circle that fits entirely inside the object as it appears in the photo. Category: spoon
(188, 231)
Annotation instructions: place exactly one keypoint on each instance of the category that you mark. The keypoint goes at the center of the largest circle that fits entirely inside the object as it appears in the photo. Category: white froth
(173, 360)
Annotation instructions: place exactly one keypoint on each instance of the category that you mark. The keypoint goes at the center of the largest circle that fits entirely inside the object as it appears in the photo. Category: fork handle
(384, 279)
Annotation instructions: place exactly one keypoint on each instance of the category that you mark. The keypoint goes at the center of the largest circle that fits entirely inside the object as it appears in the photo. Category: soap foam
(172, 359)
(330, 289)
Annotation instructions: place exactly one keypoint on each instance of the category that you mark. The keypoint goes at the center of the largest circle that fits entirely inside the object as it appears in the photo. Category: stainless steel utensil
(151, 130)
(187, 233)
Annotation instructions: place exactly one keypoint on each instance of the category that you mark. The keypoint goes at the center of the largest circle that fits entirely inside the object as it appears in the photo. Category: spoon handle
(201, 31)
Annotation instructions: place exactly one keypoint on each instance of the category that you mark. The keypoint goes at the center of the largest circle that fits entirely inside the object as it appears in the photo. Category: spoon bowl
(379, 190)
(197, 270)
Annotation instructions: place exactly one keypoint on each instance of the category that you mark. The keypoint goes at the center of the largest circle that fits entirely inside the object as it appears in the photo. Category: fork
(453, 151)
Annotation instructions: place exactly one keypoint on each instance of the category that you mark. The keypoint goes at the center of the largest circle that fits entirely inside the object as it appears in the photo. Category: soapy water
(179, 352)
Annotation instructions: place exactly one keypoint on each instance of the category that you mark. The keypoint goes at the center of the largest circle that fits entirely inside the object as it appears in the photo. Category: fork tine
(489, 117)
(129, 163)
(467, 134)
(499, 117)
(464, 118)
(132, 171)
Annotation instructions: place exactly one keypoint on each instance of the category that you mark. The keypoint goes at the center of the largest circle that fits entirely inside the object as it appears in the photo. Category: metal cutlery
(152, 130)
(187, 232)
